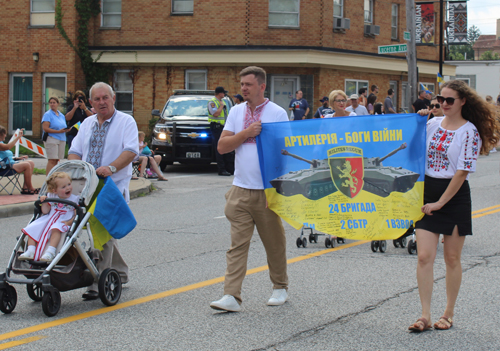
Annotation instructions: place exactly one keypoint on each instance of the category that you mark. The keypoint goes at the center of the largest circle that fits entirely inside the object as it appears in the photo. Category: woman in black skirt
(468, 128)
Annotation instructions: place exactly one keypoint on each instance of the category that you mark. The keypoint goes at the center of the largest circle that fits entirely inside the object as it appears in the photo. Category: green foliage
(39, 170)
(489, 56)
(151, 126)
(86, 9)
(24, 151)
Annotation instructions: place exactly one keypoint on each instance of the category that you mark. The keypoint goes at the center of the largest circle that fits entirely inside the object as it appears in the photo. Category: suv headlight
(163, 133)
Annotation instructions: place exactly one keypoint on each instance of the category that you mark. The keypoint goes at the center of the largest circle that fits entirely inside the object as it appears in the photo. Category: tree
(489, 56)
(465, 52)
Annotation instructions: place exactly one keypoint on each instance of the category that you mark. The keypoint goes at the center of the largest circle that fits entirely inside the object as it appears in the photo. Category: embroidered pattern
(249, 119)
(472, 148)
(437, 154)
(97, 144)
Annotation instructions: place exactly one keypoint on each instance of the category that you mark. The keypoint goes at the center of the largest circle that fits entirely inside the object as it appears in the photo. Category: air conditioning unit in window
(341, 24)
(372, 30)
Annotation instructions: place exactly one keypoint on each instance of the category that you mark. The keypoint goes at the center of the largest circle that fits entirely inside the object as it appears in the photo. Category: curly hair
(477, 111)
(51, 180)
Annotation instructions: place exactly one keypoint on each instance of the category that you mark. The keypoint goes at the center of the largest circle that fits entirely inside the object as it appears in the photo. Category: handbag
(45, 136)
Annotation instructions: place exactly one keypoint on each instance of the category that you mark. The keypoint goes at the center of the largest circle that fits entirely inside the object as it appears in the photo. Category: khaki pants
(111, 258)
(245, 209)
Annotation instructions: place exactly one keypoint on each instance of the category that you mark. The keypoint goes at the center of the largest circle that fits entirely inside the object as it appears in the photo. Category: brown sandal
(420, 325)
(442, 321)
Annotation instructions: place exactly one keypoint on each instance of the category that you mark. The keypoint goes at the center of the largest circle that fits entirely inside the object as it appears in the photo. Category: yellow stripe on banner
(157, 296)
(10, 344)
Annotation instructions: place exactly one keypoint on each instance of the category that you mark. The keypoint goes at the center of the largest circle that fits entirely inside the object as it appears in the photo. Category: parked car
(182, 133)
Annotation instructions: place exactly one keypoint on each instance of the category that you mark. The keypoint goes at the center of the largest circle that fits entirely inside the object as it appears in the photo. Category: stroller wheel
(34, 292)
(51, 304)
(395, 243)
(299, 242)
(8, 299)
(374, 245)
(316, 238)
(340, 240)
(382, 246)
(110, 287)
(311, 238)
(304, 241)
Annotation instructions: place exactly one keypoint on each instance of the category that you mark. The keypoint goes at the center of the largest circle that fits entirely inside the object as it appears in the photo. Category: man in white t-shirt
(355, 107)
(246, 205)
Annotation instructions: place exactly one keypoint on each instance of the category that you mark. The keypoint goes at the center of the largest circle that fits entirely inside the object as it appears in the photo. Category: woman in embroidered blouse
(54, 123)
(454, 142)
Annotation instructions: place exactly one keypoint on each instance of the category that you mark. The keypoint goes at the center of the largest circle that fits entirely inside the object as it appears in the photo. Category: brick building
(155, 46)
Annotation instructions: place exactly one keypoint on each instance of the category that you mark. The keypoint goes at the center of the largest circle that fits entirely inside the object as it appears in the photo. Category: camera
(80, 99)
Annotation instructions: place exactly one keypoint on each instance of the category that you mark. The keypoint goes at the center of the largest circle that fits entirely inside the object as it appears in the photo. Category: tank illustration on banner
(316, 182)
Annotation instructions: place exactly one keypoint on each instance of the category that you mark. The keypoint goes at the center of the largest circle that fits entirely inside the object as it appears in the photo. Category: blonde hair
(334, 94)
(142, 134)
(51, 180)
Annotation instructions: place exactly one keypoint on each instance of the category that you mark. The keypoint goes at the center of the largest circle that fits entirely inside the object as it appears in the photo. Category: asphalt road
(347, 298)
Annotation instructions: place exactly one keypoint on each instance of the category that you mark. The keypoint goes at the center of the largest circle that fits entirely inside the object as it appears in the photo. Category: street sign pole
(411, 55)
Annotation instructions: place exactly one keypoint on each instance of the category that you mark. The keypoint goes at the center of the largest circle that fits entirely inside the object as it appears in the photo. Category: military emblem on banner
(347, 169)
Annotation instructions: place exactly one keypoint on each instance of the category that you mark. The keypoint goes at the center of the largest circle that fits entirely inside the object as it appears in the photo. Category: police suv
(182, 133)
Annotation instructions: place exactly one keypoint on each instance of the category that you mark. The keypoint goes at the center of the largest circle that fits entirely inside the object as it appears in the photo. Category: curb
(26, 208)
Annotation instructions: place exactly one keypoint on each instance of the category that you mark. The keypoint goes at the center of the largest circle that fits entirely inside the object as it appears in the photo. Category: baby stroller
(74, 265)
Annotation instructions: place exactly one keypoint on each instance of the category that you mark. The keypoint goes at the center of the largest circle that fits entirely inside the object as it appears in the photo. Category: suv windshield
(189, 106)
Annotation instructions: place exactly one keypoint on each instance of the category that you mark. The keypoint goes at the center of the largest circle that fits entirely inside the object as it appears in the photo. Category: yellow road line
(486, 209)
(486, 213)
(157, 296)
(10, 344)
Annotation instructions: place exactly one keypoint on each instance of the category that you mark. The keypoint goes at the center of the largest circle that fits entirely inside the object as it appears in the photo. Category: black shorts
(457, 212)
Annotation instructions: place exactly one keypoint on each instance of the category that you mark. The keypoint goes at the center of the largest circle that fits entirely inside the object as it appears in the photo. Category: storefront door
(21, 103)
(283, 90)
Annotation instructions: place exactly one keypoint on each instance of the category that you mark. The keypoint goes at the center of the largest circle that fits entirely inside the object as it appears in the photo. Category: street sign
(406, 36)
(392, 49)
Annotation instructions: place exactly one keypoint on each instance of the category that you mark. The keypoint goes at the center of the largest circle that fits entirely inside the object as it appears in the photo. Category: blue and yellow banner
(357, 177)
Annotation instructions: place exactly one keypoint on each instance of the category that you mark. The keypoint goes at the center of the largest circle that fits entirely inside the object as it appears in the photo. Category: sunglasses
(340, 100)
(449, 100)
(435, 105)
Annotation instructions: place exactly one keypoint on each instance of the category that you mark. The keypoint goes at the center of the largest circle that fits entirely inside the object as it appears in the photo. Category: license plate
(193, 154)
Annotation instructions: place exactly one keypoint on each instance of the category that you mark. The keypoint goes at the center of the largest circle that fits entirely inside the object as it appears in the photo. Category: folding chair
(135, 168)
(11, 176)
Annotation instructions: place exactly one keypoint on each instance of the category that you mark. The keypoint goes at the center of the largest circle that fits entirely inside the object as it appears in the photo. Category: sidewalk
(18, 205)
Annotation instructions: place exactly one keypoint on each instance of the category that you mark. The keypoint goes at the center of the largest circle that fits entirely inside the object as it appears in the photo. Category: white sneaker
(227, 303)
(47, 257)
(27, 256)
(278, 297)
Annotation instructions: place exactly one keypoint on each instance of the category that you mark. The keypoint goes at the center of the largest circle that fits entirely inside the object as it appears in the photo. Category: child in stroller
(49, 227)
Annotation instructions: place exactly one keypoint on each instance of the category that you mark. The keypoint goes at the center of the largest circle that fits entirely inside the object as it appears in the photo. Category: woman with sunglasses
(435, 109)
(338, 103)
(454, 143)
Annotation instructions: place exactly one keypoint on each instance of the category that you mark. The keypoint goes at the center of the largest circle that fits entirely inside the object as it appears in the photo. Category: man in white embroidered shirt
(109, 141)
(246, 204)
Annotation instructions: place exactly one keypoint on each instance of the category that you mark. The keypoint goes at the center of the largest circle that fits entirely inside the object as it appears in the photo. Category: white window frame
(35, 13)
(45, 103)
(11, 101)
(110, 13)
(284, 12)
(182, 12)
(396, 17)
(341, 5)
(186, 77)
(430, 86)
(370, 11)
(359, 84)
(115, 78)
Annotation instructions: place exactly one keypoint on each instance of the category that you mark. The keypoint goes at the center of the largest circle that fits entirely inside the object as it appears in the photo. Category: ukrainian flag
(440, 79)
(423, 87)
(76, 125)
(111, 215)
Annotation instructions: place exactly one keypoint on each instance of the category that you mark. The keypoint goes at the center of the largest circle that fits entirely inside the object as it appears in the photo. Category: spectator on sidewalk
(324, 109)
(363, 99)
(420, 103)
(374, 91)
(238, 99)
(299, 106)
(355, 107)
(371, 103)
(76, 112)
(54, 123)
(388, 104)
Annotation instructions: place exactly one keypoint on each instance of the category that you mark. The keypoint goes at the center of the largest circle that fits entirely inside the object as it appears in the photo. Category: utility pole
(441, 36)
(411, 55)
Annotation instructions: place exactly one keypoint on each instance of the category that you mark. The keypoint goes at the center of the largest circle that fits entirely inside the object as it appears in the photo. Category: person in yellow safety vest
(217, 114)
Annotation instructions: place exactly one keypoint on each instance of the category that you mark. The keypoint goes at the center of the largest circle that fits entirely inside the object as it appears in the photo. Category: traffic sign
(406, 36)
(392, 49)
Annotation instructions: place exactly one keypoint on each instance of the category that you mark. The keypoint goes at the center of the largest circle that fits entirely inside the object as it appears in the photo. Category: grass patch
(39, 171)
(24, 151)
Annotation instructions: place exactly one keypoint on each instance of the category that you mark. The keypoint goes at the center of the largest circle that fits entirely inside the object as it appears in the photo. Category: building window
(111, 13)
(182, 6)
(196, 79)
(429, 86)
(43, 13)
(284, 13)
(338, 8)
(352, 86)
(394, 21)
(368, 11)
(124, 90)
(54, 85)
(465, 80)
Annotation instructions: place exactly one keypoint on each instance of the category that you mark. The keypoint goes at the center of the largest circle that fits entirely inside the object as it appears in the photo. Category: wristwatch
(112, 169)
